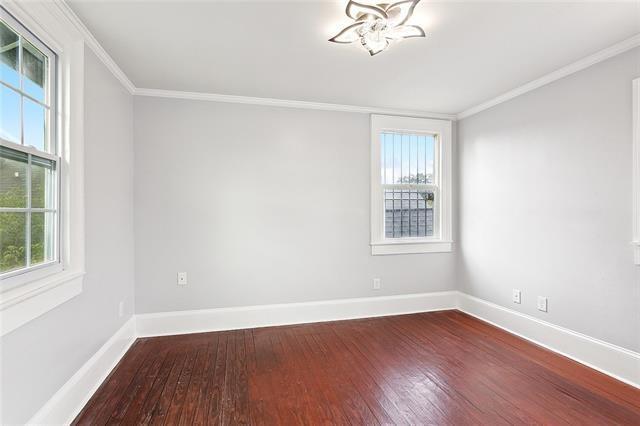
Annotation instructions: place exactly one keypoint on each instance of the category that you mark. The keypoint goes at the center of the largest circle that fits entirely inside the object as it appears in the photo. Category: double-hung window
(410, 185)
(29, 157)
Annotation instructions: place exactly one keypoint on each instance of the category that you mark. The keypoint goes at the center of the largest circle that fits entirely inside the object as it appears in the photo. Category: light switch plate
(377, 284)
(542, 303)
(516, 296)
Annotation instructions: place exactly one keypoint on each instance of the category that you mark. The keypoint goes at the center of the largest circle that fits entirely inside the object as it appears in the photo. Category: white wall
(259, 205)
(545, 196)
(39, 357)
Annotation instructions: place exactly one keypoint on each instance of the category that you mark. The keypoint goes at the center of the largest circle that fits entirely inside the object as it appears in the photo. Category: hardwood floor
(432, 368)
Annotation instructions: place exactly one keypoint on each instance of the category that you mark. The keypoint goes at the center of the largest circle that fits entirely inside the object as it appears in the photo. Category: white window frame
(441, 241)
(26, 296)
(636, 171)
(17, 277)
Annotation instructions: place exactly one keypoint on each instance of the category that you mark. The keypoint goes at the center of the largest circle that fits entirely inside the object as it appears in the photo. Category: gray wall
(271, 205)
(259, 205)
(39, 357)
(545, 196)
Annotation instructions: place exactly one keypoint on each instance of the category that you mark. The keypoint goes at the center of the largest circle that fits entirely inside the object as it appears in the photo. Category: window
(28, 153)
(41, 161)
(411, 185)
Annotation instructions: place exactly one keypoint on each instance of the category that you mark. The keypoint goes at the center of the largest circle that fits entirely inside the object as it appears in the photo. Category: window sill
(410, 247)
(27, 302)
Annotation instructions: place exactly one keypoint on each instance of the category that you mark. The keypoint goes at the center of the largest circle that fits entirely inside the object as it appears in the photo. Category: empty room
(303, 212)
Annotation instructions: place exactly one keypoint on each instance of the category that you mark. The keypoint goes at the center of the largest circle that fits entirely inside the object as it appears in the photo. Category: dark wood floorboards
(432, 368)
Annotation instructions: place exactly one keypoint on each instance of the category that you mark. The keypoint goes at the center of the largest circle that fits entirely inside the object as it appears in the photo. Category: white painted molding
(636, 171)
(617, 362)
(442, 213)
(66, 404)
(579, 65)
(184, 322)
(31, 294)
(284, 103)
(97, 48)
(91, 41)
(381, 249)
(39, 298)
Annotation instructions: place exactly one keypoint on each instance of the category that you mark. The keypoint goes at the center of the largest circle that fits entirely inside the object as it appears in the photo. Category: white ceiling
(278, 49)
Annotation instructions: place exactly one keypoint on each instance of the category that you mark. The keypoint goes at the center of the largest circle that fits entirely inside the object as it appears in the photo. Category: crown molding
(108, 61)
(579, 65)
(97, 48)
(284, 103)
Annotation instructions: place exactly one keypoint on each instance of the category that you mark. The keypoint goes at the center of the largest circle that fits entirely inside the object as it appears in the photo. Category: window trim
(438, 243)
(635, 242)
(41, 290)
(18, 277)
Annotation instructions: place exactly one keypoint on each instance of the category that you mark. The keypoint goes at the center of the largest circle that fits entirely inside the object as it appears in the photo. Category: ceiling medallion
(377, 25)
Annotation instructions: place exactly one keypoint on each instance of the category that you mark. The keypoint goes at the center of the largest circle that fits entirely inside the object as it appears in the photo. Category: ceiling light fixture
(377, 25)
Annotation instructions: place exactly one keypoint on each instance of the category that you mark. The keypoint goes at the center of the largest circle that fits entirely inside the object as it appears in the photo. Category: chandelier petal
(358, 11)
(377, 25)
(348, 35)
(400, 12)
(404, 31)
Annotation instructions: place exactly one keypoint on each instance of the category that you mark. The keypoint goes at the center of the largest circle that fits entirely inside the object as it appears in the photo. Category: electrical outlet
(182, 278)
(121, 309)
(377, 284)
(516, 296)
(542, 303)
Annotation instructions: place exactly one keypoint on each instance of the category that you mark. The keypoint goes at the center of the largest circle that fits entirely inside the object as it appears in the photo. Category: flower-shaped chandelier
(378, 24)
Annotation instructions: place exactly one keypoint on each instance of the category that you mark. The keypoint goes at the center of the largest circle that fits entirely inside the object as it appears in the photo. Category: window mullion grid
(28, 214)
(437, 211)
(401, 178)
(393, 192)
(20, 62)
(383, 155)
(410, 186)
(424, 180)
(52, 187)
(26, 95)
(24, 210)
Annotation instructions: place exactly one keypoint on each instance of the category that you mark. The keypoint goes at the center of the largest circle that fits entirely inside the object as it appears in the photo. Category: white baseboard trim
(65, 405)
(184, 322)
(619, 363)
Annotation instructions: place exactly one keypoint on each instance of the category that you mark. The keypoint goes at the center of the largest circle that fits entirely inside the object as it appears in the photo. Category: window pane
(34, 69)
(430, 154)
(397, 157)
(9, 56)
(408, 213)
(9, 114)
(43, 178)
(13, 228)
(42, 226)
(407, 158)
(389, 158)
(34, 124)
(413, 159)
(13, 178)
(383, 158)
